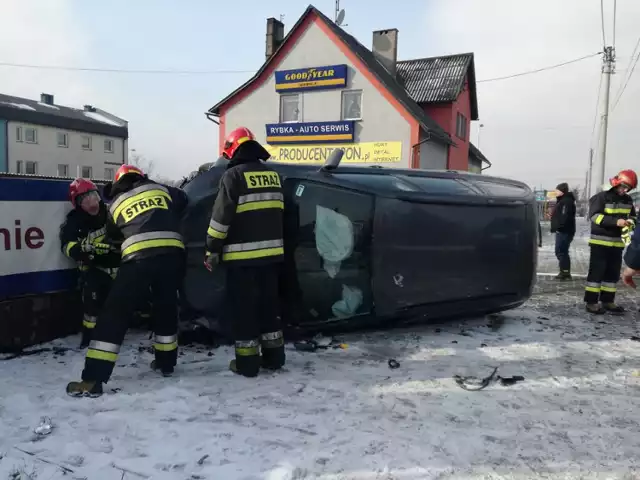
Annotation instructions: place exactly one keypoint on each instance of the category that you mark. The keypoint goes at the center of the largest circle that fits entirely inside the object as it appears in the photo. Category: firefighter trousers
(162, 275)
(96, 284)
(604, 272)
(253, 295)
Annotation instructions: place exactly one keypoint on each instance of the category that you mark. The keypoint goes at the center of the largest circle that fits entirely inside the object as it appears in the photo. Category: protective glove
(211, 260)
(627, 231)
(101, 248)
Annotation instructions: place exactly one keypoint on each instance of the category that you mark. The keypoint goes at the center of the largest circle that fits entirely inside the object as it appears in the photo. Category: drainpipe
(413, 147)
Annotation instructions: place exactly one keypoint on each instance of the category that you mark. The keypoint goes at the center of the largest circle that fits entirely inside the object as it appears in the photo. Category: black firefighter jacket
(605, 209)
(563, 219)
(81, 227)
(145, 217)
(246, 225)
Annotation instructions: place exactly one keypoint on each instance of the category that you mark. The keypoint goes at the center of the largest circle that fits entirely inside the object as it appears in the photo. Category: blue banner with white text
(310, 132)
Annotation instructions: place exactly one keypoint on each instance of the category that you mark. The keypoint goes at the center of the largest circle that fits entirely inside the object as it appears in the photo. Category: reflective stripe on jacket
(246, 224)
(605, 209)
(148, 217)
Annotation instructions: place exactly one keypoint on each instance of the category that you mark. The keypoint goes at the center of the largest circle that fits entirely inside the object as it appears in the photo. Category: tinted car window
(448, 186)
(380, 182)
(501, 189)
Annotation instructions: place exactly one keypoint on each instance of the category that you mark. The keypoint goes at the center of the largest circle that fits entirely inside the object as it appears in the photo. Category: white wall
(49, 155)
(381, 121)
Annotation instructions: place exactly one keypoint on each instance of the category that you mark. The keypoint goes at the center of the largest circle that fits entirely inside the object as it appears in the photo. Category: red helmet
(236, 138)
(628, 178)
(126, 170)
(80, 186)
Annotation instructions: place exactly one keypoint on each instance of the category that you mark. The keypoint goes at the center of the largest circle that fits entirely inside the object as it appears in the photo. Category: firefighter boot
(247, 361)
(613, 308)
(594, 308)
(84, 389)
(166, 371)
(273, 356)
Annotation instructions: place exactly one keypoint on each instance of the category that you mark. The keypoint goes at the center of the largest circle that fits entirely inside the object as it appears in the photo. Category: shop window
(352, 105)
(461, 126)
(290, 108)
(332, 230)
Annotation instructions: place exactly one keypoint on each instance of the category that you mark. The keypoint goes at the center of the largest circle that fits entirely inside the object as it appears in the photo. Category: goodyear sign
(314, 78)
(311, 132)
(368, 152)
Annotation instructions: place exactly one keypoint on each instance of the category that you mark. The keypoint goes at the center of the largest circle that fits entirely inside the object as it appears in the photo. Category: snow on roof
(48, 106)
(102, 118)
(19, 105)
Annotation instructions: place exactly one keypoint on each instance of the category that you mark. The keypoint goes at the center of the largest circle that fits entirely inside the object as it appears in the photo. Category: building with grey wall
(42, 138)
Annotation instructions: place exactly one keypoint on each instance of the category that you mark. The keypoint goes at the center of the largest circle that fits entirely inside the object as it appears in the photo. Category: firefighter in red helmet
(145, 217)
(82, 239)
(613, 218)
(246, 234)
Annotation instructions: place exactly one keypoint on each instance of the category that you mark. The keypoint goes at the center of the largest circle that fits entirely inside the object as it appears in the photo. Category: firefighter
(246, 235)
(612, 214)
(145, 216)
(82, 240)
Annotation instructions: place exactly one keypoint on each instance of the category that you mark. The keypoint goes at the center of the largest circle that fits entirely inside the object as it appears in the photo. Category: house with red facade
(320, 88)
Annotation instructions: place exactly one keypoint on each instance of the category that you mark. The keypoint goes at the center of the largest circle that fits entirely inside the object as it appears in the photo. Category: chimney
(275, 35)
(385, 48)
(46, 98)
(89, 108)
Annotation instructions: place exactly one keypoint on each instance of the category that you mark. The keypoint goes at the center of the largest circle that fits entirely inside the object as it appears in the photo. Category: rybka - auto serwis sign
(310, 132)
(313, 78)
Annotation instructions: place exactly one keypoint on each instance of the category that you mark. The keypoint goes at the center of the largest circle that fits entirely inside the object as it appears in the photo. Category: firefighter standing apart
(145, 216)
(612, 220)
(246, 234)
(82, 236)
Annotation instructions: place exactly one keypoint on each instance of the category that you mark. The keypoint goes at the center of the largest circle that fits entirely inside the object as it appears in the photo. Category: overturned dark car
(366, 246)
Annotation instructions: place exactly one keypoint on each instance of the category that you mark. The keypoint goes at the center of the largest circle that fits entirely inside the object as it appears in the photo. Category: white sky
(537, 128)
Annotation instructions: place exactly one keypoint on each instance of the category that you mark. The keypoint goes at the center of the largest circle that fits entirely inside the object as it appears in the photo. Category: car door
(328, 233)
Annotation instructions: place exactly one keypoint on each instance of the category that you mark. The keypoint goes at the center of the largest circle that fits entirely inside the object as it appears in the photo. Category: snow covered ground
(344, 413)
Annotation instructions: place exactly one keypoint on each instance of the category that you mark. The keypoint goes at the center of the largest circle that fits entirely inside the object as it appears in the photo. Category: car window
(448, 186)
(389, 183)
(202, 185)
(501, 189)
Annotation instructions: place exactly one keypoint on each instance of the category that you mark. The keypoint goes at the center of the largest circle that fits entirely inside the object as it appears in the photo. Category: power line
(623, 87)
(604, 39)
(122, 70)
(217, 72)
(529, 72)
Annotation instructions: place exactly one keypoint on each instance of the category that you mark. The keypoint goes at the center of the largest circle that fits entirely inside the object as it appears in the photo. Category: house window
(63, 170)
(461, 126)
(87, 172)
(32, 168)
(290, 108)
(86, 142)
(108, 173)
(352, 105)
(108, 146)
(63, 140)
(18, 134)
(19, 166)
(30, 135)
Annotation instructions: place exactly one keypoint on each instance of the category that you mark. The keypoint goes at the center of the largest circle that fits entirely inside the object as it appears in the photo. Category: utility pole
(608, 69)
(589, 175)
